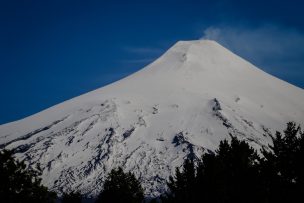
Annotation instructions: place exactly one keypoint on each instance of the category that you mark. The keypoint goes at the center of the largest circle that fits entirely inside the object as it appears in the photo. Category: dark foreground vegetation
(234, 173)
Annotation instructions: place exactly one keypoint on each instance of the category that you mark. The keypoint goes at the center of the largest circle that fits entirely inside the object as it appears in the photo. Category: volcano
(181, 105)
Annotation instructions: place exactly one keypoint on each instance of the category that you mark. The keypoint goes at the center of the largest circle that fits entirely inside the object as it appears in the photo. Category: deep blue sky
(51, 51)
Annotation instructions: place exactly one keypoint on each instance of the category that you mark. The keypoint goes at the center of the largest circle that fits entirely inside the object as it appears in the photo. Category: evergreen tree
(121, 187)
(236, 173)
(73, 197)
(182, 186)
(282, 167)
(229, 175)
(20, 184)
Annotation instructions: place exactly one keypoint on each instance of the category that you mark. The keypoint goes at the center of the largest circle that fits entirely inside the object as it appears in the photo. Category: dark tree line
(72, 197)
(121, 187)
(282, 168)
(237, 173)
(19, 184)
(234, 173)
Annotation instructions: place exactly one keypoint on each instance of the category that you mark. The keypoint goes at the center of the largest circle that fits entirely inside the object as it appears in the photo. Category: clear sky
(51, 51)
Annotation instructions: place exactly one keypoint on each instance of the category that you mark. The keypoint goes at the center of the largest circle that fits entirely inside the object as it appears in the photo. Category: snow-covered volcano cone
(182, 104)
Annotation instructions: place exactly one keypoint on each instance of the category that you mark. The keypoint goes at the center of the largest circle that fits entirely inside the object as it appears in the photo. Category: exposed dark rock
(128, 133)
(216, 105)
(179, 139)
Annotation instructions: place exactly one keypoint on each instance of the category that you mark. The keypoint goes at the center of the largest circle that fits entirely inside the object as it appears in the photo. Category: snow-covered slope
(181, 105)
